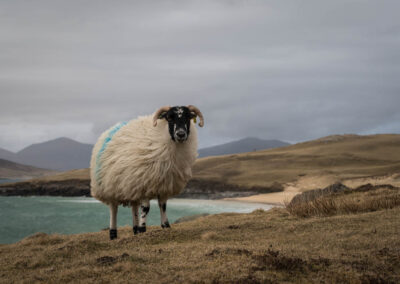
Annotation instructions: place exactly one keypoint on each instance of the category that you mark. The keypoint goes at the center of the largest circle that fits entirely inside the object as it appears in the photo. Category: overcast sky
(288, 70)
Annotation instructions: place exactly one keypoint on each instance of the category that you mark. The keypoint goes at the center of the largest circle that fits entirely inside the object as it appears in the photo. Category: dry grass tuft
(258, 211)
(339, 199)
(209, 236)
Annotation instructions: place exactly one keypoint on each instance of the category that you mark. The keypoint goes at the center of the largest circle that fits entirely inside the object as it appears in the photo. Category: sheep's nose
(181, 134)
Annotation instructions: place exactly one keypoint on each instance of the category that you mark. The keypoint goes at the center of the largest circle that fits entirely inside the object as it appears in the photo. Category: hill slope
(241, 146)
(340, 157)
(10, 169)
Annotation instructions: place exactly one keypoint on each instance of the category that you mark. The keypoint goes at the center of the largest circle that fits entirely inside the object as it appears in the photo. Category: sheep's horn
(158, 113)
(198, 113)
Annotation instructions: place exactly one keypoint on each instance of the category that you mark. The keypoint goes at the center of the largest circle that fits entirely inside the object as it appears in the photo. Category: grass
(260, 247)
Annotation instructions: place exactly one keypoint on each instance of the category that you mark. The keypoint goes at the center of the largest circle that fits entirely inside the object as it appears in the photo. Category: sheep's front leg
(145, 207)
(135, 216)
(113, 221)
(163, 212)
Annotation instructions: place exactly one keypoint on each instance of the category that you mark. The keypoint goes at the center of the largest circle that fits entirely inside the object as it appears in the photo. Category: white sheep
(149, 157)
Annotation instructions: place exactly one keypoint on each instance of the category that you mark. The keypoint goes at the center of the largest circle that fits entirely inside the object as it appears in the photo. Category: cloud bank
(289, 70)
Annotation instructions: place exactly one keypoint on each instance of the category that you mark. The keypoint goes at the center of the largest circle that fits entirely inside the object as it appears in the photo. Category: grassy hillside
(81, 174)
(342, 157)
(260, 247)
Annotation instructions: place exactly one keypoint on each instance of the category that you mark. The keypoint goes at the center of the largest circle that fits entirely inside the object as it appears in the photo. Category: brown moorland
(260, 247)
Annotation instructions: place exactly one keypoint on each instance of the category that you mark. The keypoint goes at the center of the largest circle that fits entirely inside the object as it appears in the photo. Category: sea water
(24, 216)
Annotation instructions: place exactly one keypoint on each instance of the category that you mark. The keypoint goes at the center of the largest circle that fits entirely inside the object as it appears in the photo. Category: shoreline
(58, 208)
(233, 199)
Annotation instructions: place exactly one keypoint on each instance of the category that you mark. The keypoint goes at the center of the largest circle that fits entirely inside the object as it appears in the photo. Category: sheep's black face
(178, 118)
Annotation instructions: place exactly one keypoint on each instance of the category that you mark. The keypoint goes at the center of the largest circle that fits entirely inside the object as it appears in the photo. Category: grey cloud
(291, 70)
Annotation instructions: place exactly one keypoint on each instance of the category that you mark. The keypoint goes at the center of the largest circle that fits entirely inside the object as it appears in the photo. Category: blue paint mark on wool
(103, 147)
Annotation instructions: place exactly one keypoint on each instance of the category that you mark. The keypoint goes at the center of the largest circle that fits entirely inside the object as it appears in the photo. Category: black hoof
(113, 234)
(141, 229)
(135, 230)
(165, 225)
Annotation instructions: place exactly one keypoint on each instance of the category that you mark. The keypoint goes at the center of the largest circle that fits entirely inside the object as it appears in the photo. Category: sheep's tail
(103, 147)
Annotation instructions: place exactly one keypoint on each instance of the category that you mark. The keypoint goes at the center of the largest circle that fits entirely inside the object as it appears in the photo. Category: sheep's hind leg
(163, 212)
(145, 207)
(135, 215)
(113, 221)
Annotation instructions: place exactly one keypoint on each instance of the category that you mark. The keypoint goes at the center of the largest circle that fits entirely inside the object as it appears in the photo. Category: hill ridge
(243, 145)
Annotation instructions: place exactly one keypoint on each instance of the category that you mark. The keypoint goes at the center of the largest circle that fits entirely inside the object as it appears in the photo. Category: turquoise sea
(24, 216)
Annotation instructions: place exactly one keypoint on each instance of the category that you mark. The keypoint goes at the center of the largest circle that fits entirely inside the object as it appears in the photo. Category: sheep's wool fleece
(141, 162)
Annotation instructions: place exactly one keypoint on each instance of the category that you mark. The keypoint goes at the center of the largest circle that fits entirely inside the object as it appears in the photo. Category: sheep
(147, 158)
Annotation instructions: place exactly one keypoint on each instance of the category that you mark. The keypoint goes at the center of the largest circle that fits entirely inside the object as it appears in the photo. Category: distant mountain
(10, 169)
(60, 154)
(7, 155)
(240, 146)
(63, 154)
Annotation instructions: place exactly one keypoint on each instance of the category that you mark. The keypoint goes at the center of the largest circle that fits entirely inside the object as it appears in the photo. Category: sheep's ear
(198, 113)
(160, 113)
(193, 115)
(163, 115)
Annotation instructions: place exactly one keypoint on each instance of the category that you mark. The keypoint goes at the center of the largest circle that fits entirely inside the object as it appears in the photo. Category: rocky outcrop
(51, 188)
